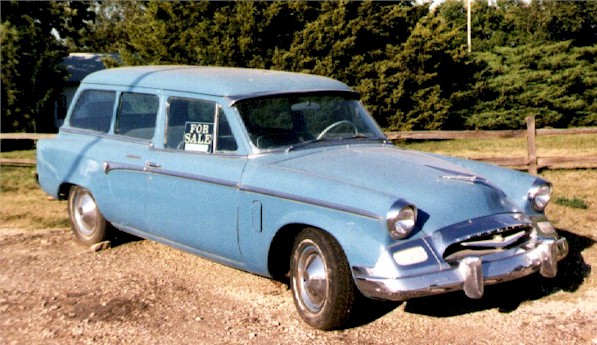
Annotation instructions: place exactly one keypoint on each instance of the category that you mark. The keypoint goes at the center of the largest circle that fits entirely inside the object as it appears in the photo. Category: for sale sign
(198, 136)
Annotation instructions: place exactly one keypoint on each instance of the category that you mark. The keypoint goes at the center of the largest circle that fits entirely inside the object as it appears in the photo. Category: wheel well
(63, 191)
(280, 250)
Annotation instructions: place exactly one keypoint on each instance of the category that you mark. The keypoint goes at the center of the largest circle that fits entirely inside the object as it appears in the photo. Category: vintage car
(286, 175)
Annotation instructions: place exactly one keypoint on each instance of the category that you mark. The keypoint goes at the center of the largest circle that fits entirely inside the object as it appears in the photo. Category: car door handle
(152, 165)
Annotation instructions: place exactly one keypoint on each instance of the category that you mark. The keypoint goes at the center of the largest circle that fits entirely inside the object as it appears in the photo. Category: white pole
(468, 24)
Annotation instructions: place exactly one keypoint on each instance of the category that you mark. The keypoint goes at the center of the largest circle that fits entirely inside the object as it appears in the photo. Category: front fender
(261, 217)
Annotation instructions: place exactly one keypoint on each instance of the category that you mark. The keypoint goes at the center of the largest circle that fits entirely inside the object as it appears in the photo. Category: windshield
(282, 121)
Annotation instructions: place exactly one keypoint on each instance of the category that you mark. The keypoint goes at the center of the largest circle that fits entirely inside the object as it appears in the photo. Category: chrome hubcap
(85, 213)
(311, 280)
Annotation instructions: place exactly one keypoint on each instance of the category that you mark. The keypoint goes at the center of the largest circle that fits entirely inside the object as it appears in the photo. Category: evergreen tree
(32, 74)
(241, 33)
(426, 78)
(349, 41)
(409, 64)
(557, 83)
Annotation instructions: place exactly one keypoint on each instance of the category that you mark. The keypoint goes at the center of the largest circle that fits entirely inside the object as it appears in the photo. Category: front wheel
(87, 222)
(321, 283)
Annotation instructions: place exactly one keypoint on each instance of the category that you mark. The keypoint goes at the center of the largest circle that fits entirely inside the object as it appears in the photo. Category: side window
(93, 110)
(191, 126)
(137, 115)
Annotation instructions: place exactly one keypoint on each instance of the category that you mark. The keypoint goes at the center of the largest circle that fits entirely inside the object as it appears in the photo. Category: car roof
(231, 82)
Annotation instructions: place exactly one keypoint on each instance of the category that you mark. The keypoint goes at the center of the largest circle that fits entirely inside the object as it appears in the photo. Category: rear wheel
(321, 283)
(87, 222)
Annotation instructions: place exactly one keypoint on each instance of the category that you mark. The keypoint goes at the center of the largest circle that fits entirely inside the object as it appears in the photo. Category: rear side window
(94, 110)
(137, 115)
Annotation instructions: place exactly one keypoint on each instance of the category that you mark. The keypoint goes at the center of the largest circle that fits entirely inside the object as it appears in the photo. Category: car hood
(372, 177)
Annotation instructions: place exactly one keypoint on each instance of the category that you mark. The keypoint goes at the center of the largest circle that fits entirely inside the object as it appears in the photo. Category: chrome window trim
(76, 130)
(112, 136)
(233, 99)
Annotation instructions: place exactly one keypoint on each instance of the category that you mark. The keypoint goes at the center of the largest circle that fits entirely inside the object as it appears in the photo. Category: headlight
(539, 195)
(401, 219)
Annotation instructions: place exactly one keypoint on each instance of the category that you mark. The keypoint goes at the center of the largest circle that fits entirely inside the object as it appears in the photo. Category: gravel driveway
(53, 291)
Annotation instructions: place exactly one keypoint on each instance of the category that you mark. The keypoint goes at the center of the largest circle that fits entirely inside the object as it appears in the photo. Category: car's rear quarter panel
(75, 159)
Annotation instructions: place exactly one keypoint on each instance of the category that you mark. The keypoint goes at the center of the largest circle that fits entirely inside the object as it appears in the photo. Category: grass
(547, 146)
(24, 154)
(23, 204)
(574, 203)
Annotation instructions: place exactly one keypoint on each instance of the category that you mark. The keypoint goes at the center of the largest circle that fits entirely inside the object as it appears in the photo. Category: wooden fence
(531, 162)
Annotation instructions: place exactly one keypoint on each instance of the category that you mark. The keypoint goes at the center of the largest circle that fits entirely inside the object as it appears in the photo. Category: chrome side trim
(156, 169)
(306, 200)
(112, 166)
(194, 177)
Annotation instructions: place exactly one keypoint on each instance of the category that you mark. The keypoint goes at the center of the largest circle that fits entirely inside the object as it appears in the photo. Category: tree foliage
(31, 70)
(350, 41)
(532, 58)
(424, 77)
(409, 63)
(243, 34)
(557, 83)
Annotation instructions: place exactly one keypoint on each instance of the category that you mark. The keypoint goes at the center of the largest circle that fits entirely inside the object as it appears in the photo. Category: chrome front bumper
(470, 274)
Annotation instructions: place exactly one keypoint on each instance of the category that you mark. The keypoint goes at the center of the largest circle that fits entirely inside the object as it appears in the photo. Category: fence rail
(452, 135)
(531, 162)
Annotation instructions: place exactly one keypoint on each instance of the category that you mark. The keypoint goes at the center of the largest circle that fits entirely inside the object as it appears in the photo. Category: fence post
(531, 145)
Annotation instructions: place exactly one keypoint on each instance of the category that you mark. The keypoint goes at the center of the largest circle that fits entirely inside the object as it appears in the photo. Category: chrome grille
(490, 242)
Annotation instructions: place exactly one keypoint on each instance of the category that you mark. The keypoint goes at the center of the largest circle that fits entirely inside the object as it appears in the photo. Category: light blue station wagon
(287, 175)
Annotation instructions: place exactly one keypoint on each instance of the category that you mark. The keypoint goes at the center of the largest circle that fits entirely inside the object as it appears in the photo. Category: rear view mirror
(305, 106)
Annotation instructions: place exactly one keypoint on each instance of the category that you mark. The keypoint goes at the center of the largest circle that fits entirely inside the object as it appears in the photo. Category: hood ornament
(466, 178)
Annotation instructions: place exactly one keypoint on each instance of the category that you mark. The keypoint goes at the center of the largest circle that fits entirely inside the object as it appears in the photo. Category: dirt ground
(54, 291)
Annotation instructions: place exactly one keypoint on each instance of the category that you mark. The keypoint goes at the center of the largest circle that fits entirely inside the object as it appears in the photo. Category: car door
(121, 149)
(134, 128)
(192, 190)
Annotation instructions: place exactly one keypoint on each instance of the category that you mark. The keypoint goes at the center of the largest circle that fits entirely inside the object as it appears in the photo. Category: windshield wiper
(315, 141)
(304, 143)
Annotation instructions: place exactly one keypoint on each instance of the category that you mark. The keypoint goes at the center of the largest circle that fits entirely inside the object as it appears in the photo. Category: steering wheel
(336, 124)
